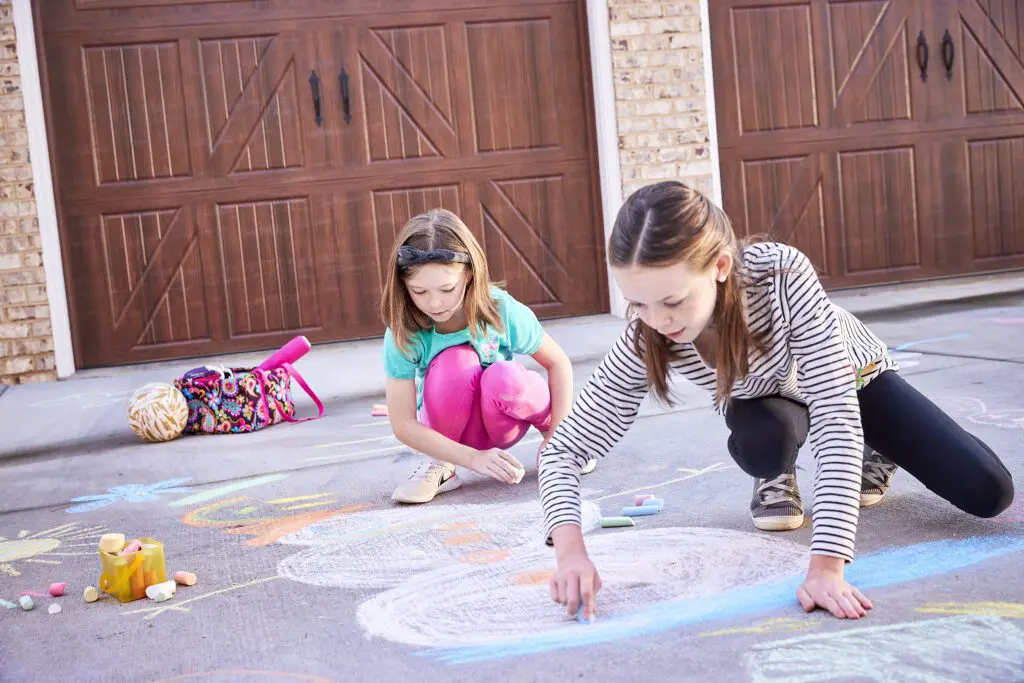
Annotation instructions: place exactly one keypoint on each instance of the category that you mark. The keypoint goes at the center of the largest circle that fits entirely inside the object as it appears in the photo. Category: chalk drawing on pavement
(976, 411)
(128, 493)
(1009, 610)
(510, 600)
(268, 521)
(225, 489)
(906, 359)
(241, 675)
(183, 605)
(963, 648)
(86, 400)
(381, 548)
(776, 625)
(44, 547)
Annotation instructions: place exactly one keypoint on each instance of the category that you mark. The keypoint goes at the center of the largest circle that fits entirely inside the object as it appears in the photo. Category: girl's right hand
(496, 463)
(576, 582)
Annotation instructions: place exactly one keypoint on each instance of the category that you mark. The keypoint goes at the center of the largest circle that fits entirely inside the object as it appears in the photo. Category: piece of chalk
(90, 594)
(168, 587)
(639, 511)
(185, 578)
(57, 589)
(580, 618)
(54, 608)
(133, 547)
(611, 522)
(111, 543)
(654, 502)
(520, 473)
(26, 602)
(378, 413)
(639, 500)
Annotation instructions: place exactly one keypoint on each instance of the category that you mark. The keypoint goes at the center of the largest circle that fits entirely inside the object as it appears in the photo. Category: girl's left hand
(826, 588)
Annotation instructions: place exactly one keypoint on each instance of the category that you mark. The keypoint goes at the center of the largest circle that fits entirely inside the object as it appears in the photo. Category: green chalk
(609, 522)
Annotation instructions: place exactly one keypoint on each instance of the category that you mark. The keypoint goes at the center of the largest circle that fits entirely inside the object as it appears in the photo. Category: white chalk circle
(381, 548)
(510, 600)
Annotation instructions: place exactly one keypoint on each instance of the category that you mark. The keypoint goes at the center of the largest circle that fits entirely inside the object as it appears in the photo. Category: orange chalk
(185, 578)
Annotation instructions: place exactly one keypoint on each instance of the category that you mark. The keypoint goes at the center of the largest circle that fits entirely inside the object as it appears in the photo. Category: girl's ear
(723, 266)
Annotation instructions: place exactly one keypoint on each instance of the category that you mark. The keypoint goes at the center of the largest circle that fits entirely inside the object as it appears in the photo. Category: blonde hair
(668, 223)
(438, 229)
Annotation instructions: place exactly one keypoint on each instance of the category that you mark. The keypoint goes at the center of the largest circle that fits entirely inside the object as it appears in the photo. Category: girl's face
(438, 290)
(675, 300)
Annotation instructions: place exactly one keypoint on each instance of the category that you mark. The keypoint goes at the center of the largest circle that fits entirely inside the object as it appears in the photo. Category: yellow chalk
(90, 594)
(111, 543)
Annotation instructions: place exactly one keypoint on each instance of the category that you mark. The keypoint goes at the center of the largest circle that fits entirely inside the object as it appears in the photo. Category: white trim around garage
(607, 130)
(709, 93)
(46, 206)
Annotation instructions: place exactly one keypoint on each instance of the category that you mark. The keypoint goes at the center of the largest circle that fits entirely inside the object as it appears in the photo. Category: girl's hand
(497, 464)
(576, 582)
(825, 587)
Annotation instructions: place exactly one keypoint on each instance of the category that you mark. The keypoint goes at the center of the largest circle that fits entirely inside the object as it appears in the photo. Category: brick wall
(658, 68)
(26, 346)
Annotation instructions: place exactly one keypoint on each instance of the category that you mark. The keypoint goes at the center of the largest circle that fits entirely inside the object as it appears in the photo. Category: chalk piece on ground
(54, 608)
(639, 511)
(57, 589)
(654, 502)
(581, 619)
(26, 602)
(611, 522)
(168, 587)
(639, 500)
(185, 578)
(90, 594)
(111, 543)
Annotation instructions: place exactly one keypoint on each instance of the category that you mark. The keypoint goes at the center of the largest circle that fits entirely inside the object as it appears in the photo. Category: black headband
(411, 256)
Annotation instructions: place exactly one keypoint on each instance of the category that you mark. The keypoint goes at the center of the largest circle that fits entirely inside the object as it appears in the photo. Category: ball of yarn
(157, 412)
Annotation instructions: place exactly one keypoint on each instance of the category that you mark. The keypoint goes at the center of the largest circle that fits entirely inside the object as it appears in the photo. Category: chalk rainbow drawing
(976, 411)
(42, 547)
(964, 648)
(509, 600)
(381, 548)
(1011, 610)
(876, 570)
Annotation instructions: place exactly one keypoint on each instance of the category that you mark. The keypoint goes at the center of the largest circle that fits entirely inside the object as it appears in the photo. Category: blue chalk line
(876, 570)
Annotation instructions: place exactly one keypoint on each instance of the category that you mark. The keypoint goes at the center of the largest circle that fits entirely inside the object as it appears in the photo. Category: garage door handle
(947, 54)
(314, 86)
(922, 55)
(343, 81)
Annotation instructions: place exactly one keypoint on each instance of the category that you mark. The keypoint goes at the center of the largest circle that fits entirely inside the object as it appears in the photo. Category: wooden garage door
(834, 138)
(233, 173)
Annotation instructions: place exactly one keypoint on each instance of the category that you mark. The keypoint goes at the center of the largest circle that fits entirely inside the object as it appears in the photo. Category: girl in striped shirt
(754, 327)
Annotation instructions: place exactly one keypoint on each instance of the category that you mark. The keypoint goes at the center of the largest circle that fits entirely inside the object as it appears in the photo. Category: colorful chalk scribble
(42, 547)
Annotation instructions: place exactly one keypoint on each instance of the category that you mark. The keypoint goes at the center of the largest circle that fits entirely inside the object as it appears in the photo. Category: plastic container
(126, 577)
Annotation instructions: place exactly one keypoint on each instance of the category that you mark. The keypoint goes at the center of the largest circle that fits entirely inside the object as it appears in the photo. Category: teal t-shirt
(522, 335)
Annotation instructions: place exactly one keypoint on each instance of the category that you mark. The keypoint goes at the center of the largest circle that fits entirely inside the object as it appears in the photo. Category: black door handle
(922, 55)
(345, 103)
(314, 86)
(947, 54)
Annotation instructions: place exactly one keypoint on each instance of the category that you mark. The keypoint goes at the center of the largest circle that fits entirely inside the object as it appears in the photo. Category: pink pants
(480, 408)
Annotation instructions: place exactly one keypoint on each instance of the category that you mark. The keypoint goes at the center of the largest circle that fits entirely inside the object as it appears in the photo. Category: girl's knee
(503, 377)
(462, 359)
(991, 496)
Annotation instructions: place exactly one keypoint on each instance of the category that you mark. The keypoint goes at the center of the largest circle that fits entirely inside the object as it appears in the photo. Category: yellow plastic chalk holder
(126, 577)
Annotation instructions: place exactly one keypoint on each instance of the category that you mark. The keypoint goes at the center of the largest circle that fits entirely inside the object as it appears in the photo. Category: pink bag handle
(305, 387)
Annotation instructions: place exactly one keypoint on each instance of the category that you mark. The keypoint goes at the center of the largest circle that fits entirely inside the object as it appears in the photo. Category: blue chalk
(579, 616)
(639, 510)
(654, 502)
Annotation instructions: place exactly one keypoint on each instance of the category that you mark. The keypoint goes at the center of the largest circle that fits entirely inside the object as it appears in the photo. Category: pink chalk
(639, 500)
(289, 353)
(133, 547)
(57, 589)
(33, 594)
(378, 412)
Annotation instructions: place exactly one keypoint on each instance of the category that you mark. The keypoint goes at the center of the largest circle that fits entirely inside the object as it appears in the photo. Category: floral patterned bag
(232, 400)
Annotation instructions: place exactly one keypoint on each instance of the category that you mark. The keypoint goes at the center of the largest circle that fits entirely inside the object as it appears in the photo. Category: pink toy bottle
(289, 353)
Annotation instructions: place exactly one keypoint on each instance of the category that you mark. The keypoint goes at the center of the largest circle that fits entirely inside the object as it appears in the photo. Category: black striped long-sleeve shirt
(814, 352)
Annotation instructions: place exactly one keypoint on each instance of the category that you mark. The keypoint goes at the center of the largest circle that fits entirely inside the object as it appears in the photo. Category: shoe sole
(869, 499)
(778, 523)
(452, 483)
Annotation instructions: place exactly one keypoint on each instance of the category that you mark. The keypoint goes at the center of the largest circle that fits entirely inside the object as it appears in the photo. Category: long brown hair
(668, 223)
(430, 231)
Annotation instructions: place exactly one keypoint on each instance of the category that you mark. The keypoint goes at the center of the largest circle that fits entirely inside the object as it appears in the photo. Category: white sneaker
(428, 479)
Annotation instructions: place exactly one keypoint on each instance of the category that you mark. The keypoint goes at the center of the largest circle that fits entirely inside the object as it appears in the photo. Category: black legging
(900, 424)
